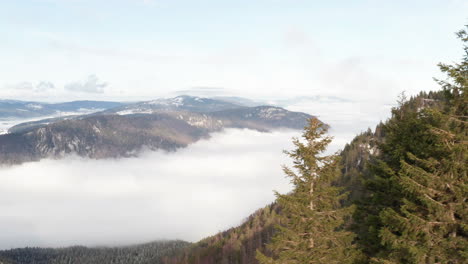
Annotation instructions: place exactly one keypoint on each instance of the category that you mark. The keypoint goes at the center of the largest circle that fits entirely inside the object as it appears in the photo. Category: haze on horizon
(59, 50)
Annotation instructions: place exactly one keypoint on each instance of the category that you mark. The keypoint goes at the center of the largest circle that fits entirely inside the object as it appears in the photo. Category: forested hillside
(129, 130)
(394, 195)
(407, 202)
(236, 245)
(401, 194)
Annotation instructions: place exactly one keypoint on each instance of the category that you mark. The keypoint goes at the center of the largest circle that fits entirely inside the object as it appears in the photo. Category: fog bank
(190, 194)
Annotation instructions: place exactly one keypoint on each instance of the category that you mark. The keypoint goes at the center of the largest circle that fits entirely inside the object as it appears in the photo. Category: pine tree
(428, 221)
(429, 225)
(312, 219)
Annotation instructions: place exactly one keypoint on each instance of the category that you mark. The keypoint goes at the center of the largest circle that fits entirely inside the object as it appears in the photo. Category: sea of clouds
(208, 187)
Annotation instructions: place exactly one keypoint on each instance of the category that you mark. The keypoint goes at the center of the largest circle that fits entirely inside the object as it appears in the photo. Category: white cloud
(23, 86)
(91, 85)
(45, 87)
(195, 192)
(90, 89)
(28, 87)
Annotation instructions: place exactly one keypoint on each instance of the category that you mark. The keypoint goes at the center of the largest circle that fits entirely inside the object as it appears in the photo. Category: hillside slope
(113, 135)
(234, 246)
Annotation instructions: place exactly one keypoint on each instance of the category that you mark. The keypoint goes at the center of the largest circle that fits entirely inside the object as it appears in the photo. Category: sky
(59, 50)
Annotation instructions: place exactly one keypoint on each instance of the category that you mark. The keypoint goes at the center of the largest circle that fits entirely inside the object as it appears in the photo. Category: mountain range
(28, 109)
(126, 130)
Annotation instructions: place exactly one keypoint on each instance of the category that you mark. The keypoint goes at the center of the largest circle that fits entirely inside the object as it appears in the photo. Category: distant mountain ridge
(182, 102)
(124, 131)
(27, 109)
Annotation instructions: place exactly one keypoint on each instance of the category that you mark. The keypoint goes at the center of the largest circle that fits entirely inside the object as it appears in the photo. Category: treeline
(150, 253)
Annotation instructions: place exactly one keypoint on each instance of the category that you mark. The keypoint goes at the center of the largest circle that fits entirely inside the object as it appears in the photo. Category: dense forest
(138, 254)
(397, 194)
(236, 245)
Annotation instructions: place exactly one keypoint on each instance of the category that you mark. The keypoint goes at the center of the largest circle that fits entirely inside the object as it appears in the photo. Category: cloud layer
(198, 191)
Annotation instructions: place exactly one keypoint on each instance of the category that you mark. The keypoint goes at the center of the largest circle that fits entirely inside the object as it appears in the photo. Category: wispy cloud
(66, 42)
(29, 87)
(46, 90)
(91, 85)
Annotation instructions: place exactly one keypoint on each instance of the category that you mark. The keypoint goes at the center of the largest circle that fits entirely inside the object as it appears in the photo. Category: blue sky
(138, 49)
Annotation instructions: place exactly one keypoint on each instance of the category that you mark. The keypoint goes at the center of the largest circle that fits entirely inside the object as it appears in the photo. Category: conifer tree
(428, 222)
(312, 218)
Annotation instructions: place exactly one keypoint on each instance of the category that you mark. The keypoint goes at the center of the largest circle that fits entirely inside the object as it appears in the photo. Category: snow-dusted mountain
(14, 112)
(124, 131)
(179, 103)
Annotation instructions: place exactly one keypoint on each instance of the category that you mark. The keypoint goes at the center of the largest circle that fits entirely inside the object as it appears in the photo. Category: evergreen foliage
(415, 210)
(408, 181)
(312, 222)
(234, 246)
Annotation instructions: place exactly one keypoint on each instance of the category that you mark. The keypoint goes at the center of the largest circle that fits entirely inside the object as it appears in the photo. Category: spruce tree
(428, 221)
(312, 218)
(429, 224)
